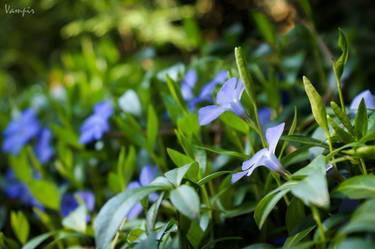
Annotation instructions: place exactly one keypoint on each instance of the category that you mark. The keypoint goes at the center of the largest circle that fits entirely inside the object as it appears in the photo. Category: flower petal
(264, 115)
(206, 91)
(273, 135)
(135, 211)
(367, 96)
(256, 157)
(148, 174)
(237, 176)
(104, 108)
(227, 93)
(209, 113)
(190, 78)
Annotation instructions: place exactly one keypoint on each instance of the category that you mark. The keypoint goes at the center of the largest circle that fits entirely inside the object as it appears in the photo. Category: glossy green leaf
(340, 63)
(313, 188)
(304, 140)
(20, 226)
(295, 213)
(152, 214)
(265, 27)
(189, 124)
(212, 176)
(362, 220)
(175, 91)
(195, 234)
(237, 123)
(351, 243)
(317, 104)
(357, 187)
(343, 136)
(21, 167)
(179, 158)
(175, 176)
(361, 120)
(365, 151)
(115, 210)
(76, 220)
(224, 152)
(36, 241)
(294, 240)
(245, 75)
(343, 117)
(186, 200)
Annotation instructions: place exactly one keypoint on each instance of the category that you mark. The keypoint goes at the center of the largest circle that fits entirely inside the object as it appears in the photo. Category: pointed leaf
(186, 200)
(358, 187)
(361, 120)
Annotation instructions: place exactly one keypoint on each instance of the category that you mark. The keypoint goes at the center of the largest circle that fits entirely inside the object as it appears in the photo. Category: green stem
(316, 216)
(340, 95)
(363, 167)
(264, 143)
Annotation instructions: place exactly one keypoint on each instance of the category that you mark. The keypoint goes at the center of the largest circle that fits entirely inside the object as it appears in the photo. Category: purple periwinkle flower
(97, 124)
(148, 174)
(43, 149)
(368, 98)
(20, 131)
(227, 99)
(264, 157)
(264, 115)
(16, 189)
(188, 84)
(206, 91)
(69, 202)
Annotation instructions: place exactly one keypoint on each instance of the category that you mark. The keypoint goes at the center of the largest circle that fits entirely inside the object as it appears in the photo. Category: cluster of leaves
(327, 200)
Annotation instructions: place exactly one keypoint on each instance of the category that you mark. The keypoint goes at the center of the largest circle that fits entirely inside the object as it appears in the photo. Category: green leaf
(295, 213)
(357, 187)
(36, 241)
(152, 128)
(265, 206)
(189, 124)
(131, 130)
(115, 210)
(175, 91)
(195, 234)
(260, 246)
(265, 28)
(20, 226)
(66, 135)
(223, 152)
(45, 192)
(186, 200)
(294, 240)
(76, 220)
(313, 188)
(304, 140)
(343, 117)
(237, 123)
(363, 219)
(152, 214)
(340, 63)
(361, 243)
(175, 176)
(365, 151)
(212, 176)
(317, 104)
(361, 120)
(21, 167)
(135, 234)
(150, 243)
(245, 75)
(178, 158)
(8, 243)
(343, 136)
(129, 165)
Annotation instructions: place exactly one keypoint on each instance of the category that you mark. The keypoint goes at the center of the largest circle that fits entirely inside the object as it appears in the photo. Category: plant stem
(340, 94)
(316, 216)
(264, 143)
(363, 167)
(118, 234)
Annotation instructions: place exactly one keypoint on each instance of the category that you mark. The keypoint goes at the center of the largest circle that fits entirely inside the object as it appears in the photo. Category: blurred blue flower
(187, 85)
(206, 91)
(148, 174)
(368, 98)
(43, 149)
(264, 115)
(97, 124)
(20, 131)
(228, 99)
(16, 189)
(264, 157)
(69, 202)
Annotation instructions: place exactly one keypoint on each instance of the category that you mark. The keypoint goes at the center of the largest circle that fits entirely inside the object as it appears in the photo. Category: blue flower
(148, 173)
(228, 99)
(264, 157)
(264, 115)
(69, 202)
(20, 131)
(206, 92)
(97, 124)
(43, 149)
(16, 189)
(188, 84)
(368, 98)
